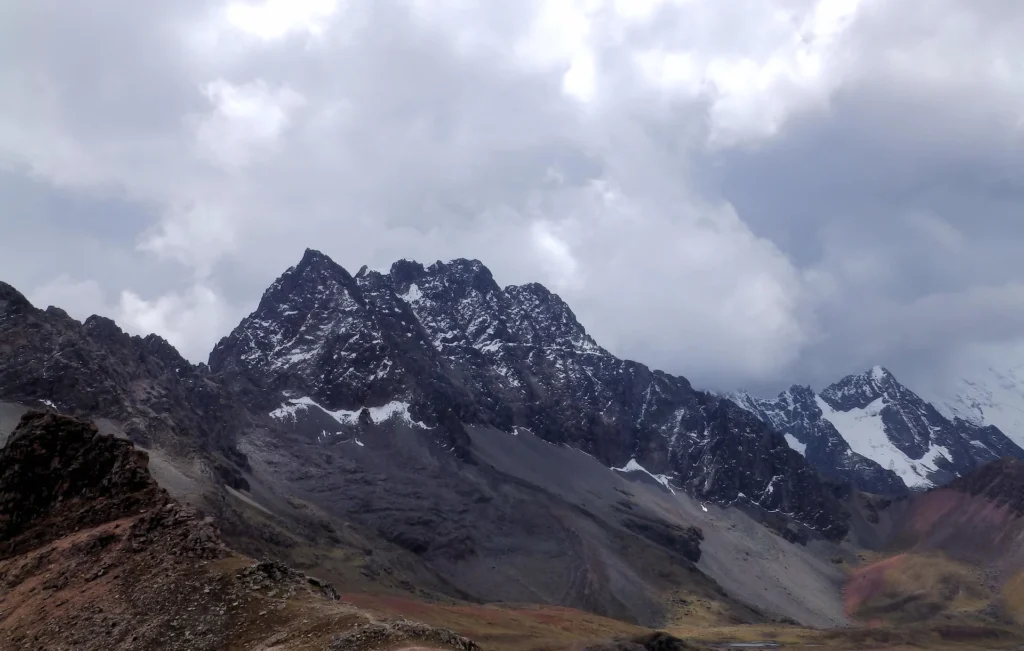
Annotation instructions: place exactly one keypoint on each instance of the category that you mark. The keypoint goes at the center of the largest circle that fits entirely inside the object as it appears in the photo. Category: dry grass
(912, 588)
(934, 637)
(503, 628)
(1013, 597)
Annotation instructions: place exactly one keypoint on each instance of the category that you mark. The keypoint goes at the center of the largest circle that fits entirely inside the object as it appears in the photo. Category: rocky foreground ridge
(95, 555)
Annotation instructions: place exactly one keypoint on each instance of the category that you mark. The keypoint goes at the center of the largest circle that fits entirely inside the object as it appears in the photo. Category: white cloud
(555, 255)
(189, 320)
(275, 19)
(730, 301)
(245, 118)
(196, 235)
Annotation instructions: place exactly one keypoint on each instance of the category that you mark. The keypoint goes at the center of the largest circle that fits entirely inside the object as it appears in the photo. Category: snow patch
(383, 413)
(796, 445)
(878, 374)
(412, 295)
(633, 466)
(864, 431)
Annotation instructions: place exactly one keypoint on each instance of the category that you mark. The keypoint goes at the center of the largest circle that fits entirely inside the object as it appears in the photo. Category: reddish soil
(866, 583)
(971, 528)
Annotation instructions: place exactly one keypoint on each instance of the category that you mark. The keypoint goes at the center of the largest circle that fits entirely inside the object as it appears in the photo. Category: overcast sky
(746, 192)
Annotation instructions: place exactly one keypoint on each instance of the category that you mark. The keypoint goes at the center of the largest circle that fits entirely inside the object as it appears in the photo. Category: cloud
(274, 19)
(79, 298)
(244, 118)
(189, 320)
(749, 193)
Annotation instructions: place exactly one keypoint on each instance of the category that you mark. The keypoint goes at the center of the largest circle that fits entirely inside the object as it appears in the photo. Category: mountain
(871, 430)
(990, 395)
(444, 347)
(443, 448)
(428, 434)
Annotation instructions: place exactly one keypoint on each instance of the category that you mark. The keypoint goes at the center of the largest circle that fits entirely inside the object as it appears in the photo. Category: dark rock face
(450, 347)
(682, 540)
(939, 449)
(95, 370)
(59, 475)
(1001, 482)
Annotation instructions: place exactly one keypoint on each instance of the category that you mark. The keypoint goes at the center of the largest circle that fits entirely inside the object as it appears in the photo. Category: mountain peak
(406, 271)
(860, 390)
(12, 298)
(313, 256)
(880, 373)
(472, 273)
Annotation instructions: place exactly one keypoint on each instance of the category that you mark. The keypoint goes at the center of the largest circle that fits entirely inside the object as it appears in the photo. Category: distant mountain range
(874, 432)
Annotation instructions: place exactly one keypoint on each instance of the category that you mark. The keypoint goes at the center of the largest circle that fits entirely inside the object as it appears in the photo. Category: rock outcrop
(59, 475)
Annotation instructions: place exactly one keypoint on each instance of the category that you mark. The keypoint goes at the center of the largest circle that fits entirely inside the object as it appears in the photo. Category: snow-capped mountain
(993, 395)
(871, 430)
(443, 347)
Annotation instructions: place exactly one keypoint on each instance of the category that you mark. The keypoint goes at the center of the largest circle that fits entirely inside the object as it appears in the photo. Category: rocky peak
(58, 313)
(308, 304)
(59, 474)
(105, 330)
(159, 349)
(859, 391)
(312, 259)
(471, 274)
(540, 316)
(403, 272)
(11, 300)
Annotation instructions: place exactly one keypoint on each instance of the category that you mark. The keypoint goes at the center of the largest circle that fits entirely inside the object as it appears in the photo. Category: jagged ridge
(445, 345)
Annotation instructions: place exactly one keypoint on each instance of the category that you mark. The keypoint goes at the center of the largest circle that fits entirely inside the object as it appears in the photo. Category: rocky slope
(443, 346)
(953, 553)
(871, 430)
(978, 518)
(95, 555)
(95, 370)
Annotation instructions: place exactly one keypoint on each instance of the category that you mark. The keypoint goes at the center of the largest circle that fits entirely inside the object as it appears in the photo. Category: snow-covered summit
(992, 395)
(870, 429)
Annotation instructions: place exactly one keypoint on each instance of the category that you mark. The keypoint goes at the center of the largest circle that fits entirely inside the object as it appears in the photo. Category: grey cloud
(862, 215)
